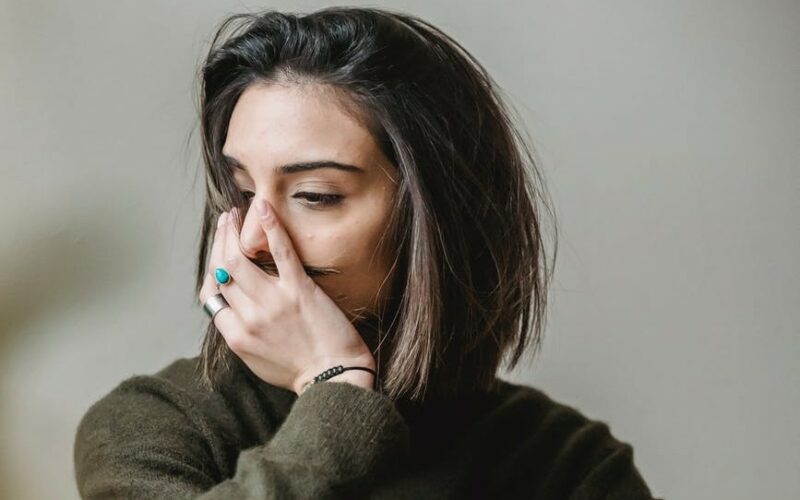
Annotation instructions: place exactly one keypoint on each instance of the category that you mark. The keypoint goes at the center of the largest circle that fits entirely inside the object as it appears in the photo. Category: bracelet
(336, 370)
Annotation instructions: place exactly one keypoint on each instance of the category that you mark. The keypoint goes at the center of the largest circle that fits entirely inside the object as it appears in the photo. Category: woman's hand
(286, 329)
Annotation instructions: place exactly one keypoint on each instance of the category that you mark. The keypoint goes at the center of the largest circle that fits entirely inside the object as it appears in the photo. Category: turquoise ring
(222, 276)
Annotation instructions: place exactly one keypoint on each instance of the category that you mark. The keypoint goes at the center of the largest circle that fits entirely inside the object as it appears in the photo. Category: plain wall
(668, 135)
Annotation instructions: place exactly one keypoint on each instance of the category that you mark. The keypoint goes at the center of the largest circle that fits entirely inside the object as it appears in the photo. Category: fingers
(231, 259)
(228, 321)
(216, 249)
(232, 329)
(216, 256)
(248, 277)
(286, 260)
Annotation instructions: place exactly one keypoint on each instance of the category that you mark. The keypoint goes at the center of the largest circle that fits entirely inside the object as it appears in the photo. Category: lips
(269, 267)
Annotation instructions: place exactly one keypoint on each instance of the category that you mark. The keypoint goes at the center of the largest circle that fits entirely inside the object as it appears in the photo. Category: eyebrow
(304, 166)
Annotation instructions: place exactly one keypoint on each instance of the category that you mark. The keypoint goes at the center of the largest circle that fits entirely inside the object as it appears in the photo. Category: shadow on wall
(66, 259)
(59, 261)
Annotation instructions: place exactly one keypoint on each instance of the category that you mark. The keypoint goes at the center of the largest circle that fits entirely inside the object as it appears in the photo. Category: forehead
(278, 123)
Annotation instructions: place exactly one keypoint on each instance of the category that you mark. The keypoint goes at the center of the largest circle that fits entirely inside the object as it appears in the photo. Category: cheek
(350, 248)
(347, 248)
(347, 243)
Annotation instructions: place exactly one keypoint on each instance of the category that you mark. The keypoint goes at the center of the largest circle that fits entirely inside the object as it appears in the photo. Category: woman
(371, 251)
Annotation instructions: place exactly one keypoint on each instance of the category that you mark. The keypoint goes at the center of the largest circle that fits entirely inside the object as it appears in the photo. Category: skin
(290, 327)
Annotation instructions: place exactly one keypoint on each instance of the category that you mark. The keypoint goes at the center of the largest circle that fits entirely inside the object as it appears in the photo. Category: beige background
(668, 132)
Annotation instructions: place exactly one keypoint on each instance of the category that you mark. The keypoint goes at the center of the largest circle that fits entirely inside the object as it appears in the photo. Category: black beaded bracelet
(334, 371)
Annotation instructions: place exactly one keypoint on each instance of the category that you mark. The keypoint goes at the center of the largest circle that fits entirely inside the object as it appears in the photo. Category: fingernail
(222, 217)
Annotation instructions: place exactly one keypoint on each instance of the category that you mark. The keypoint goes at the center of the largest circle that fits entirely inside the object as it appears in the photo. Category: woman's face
(326, 178)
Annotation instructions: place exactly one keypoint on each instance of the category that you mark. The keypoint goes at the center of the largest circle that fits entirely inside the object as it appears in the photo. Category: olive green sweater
(164, 436)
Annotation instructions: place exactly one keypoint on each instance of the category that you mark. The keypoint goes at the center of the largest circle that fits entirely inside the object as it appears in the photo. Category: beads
(330, 372)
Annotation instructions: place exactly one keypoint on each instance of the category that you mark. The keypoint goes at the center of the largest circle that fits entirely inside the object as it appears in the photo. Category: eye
(247, 194)
(316, 200)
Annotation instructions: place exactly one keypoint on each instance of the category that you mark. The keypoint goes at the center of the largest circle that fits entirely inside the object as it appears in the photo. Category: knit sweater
(165, 436)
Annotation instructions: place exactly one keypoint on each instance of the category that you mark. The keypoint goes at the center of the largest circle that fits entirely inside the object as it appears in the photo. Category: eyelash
(316, 199)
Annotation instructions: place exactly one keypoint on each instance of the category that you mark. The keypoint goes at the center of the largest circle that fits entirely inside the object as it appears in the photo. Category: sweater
(166, 436)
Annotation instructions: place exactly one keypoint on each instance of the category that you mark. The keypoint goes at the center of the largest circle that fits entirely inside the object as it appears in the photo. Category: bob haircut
(465, 225)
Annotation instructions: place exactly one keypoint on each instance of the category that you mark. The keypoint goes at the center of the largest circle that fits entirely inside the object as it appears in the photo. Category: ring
(222, 276)
(215, 304)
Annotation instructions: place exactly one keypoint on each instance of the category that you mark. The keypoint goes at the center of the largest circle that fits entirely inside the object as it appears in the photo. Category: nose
(252, 240)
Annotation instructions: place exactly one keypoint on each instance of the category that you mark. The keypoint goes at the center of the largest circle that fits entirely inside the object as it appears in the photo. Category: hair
(465, 227)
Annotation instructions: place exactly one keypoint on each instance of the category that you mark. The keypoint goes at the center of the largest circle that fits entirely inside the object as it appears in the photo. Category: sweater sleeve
(615, 476)
(141, 442)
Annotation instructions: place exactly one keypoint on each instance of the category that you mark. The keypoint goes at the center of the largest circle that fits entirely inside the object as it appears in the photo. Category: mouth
(269, 267)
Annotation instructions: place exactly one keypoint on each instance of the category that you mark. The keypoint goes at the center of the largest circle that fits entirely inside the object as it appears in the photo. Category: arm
(614, 477)
(143, 441)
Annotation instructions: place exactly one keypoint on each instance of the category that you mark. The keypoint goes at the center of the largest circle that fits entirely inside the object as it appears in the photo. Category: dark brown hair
(472, 273)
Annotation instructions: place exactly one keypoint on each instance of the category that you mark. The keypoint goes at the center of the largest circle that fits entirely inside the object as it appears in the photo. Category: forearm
(337, 436)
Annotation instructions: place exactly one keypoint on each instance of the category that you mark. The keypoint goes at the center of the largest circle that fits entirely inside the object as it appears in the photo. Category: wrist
(361, 378)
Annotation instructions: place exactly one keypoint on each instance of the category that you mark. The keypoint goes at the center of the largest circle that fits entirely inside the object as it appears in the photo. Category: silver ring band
(215, 304)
